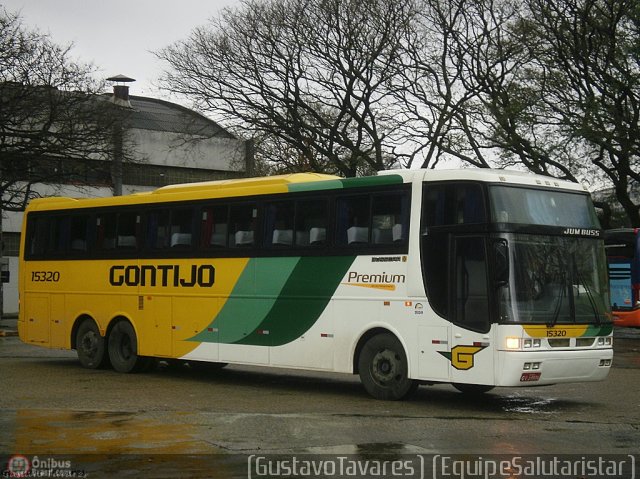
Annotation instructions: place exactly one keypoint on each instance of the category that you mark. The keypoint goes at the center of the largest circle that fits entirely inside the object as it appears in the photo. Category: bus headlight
(605, 341)
(531, 343)
(513, 343)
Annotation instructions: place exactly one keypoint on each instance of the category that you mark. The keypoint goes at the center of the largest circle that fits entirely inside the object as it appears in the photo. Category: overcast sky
(118, 36)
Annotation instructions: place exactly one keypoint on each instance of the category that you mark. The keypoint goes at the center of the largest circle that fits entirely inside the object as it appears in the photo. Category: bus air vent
(560, 342)
(584, 342)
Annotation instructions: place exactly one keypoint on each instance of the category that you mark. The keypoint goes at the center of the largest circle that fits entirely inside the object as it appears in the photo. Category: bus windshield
(542, 207)
(554, 280)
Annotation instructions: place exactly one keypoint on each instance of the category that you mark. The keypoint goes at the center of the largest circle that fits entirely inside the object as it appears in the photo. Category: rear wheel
(123, 349)
(90, 346)
(384, 370)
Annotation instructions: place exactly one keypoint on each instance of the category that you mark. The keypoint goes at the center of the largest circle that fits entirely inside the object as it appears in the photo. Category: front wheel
(384, 370)
(123, 349)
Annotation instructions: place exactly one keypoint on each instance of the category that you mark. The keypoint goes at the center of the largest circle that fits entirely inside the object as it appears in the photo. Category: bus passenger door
(472, 359)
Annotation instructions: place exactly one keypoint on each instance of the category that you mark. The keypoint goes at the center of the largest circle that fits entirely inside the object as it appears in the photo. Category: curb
(6, 333)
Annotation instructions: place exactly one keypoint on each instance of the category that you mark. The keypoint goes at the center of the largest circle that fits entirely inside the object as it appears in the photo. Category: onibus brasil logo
(19, 465)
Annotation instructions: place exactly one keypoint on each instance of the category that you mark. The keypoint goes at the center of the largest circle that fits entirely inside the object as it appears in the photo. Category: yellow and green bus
(478, 278)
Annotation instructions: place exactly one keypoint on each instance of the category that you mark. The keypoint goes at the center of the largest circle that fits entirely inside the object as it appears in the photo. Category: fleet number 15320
(45, 276)
(556, 333)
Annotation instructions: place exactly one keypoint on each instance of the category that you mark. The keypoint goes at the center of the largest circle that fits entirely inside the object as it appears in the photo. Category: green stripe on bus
(371, 181)
(599, 330)
(315, 186)
(346, 183)
(244, 310)
(304, 297)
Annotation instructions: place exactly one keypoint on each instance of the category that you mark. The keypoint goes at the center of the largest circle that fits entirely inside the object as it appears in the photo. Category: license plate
(527, 377)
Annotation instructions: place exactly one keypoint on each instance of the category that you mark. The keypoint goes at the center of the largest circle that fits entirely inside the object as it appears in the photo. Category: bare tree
(550, 86)
(558, 88)
(431, 88)
(348, 86)
(54, 127)
(586, 61)
(310, 73)
(460, 86)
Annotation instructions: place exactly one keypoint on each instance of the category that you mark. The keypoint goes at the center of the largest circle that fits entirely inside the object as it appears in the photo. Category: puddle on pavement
(528, 405)
(73, 432)
(114, 444)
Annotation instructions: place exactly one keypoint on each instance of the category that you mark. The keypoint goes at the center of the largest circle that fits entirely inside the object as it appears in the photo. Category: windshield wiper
(592, 301)
(556, 311)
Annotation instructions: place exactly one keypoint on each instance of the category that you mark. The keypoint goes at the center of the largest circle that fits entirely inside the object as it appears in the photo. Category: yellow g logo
(461, 357)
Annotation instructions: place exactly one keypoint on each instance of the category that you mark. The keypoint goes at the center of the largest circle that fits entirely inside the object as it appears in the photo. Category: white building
(169, 144)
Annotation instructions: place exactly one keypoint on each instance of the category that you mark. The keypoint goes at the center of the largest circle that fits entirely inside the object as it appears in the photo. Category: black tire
(383, 368)
(123, 349)
(472, 389)
(90, 346)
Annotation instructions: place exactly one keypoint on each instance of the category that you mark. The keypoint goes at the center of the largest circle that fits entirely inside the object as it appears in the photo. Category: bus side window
(311, 222)
(214, 230)
(79, 241)
(157, 227)
(469, 204)
(434, 206)
(352, 220)
(106, 231)
(389, 219)
(453, 204)
(182, 227)
(128, 230)
(39, 228)
(279, 223)
(242, 219)
(59, 238)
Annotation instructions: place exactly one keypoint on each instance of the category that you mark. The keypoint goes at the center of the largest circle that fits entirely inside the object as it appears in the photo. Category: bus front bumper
(539, 368)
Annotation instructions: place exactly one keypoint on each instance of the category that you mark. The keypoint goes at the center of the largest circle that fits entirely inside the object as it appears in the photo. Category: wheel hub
(385, 366)
(90, 344)
(125, 348)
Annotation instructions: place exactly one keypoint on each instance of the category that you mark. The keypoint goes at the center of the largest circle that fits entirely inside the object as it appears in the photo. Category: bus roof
(488, 175)
(261, 182)
(190, 191)
(296, 182)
